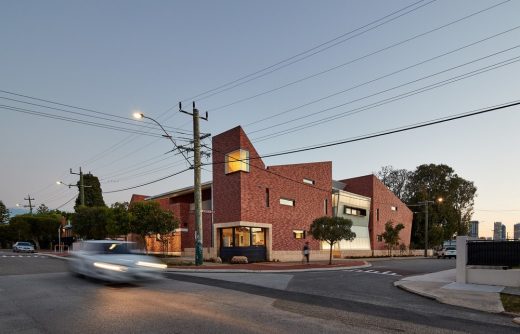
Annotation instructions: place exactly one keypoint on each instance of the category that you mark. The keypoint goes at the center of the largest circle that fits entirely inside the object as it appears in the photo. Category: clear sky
(440, 58)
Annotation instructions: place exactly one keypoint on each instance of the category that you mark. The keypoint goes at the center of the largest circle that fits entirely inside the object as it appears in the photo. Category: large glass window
(354, 211)
(242, 236)
(237, 161)
(258, 236)
(227, 237)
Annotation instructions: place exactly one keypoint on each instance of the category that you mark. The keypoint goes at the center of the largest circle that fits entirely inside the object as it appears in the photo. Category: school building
(264, 212)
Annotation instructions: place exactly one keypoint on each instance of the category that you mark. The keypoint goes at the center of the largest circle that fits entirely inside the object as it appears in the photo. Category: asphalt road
(38, 295)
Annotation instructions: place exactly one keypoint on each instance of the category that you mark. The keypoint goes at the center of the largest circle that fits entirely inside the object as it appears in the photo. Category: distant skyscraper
(517, 231)
(503, 236)
(497, 231)
(473, 228)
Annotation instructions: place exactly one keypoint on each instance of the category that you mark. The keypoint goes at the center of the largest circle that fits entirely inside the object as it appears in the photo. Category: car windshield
(108, 248)
(24, 244)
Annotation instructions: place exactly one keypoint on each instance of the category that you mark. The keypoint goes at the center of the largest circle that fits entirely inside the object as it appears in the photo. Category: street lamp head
(440, 199)
(59, 182)
(138, 115)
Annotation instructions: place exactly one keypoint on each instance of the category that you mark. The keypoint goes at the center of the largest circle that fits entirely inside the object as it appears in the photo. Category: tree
(120, 222)
(4, 213)
(391, 235)
(394, 179)
(92, 192)
(332, 230)
(149, 219)
(41, 229)
(42, 209)
(91, 222)
(429, 182)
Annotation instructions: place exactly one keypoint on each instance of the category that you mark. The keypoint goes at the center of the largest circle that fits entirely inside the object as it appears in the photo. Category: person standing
(306, 251)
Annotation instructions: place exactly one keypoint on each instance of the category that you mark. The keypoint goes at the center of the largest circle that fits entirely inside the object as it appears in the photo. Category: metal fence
(494, 253)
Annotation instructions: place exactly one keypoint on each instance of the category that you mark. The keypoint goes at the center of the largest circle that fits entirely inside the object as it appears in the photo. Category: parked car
(447, 252)
(23, 246)
(113, 261)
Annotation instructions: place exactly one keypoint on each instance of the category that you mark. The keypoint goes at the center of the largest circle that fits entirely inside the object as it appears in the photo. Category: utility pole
(199, 256)
(30, 206)
(81, 186)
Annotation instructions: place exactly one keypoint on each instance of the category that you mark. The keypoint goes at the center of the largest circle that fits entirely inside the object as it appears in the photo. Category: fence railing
(494, 253)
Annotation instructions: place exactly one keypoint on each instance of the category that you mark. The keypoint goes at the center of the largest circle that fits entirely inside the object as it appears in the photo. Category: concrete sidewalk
(442, 286)
(269, 267)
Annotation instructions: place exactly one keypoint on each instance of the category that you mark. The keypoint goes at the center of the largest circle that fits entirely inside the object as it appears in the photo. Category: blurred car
(113, 261)
(23, 246)
(447, 252)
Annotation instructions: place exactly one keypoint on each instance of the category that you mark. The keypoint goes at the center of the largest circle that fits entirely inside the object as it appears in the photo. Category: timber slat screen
(494, 253)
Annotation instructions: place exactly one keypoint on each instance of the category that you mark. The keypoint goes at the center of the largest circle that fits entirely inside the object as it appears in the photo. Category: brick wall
(381, 208)
(241, 196)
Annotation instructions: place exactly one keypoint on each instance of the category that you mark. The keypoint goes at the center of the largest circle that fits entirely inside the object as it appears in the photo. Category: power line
(401, 129)
(70, 200)
(387, 100)
(274, 67)
(145, 184)
(78, 121)
(366, 82)
(386, 132)
(78, 108)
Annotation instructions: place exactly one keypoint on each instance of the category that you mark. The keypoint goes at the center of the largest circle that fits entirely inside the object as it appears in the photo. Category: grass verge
(511, 303)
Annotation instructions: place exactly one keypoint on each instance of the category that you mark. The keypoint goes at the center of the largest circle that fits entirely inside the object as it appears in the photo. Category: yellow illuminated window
(237, 161)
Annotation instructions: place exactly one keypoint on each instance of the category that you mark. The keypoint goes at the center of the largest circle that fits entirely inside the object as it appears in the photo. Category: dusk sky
(297, 74)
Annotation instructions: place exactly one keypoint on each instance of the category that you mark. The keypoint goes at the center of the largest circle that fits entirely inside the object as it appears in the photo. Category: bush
(239, 259)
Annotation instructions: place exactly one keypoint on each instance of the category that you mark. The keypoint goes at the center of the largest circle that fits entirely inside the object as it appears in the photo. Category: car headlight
(110, 266)
(151, 265)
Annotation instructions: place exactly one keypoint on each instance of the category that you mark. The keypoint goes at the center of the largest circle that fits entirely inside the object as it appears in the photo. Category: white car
(22, 246)
(448, 252)
(113, 261)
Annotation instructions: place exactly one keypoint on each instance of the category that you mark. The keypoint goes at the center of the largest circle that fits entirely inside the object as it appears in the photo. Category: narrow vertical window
(377, 214)
(326, 208)
(266, 197)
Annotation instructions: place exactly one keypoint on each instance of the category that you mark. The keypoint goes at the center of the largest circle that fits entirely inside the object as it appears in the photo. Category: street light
(196, 184)
(81, 188)
(426, 204)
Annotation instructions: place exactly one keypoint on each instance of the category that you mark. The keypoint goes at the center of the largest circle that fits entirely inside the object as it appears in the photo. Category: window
(377, 214)
(258, 236)
(299, 234)
(326, 206)
(393, 208)
(288, 202)
(354, 211)
(237, 161)
(266, 197)
(242, 236)
(309, 181)
(227, 237)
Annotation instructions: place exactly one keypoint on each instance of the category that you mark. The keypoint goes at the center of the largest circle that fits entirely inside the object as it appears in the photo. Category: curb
(402, 286)
(180, 270)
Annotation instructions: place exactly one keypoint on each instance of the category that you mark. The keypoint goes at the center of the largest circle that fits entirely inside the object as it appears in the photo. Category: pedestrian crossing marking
(12, 256)
(371, 271)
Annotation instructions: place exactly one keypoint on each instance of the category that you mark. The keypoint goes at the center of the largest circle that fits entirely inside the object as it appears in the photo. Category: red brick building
(264, 212)
(385, 206)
